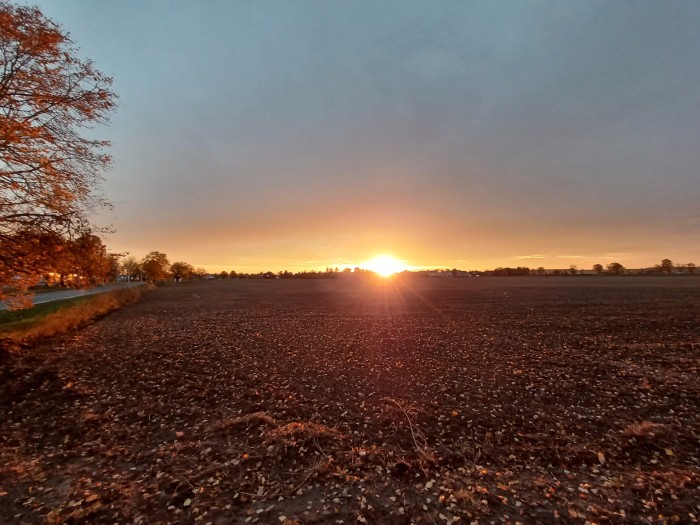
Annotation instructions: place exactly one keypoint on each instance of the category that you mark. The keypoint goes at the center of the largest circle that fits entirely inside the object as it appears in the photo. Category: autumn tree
(89, 260)
(49, 167)
(183, 269)
(155, 265)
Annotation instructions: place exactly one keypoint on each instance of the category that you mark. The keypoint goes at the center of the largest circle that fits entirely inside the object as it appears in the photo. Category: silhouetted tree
(615, 268)
(598, 268)
(131, 267)
(691, 268)
(667, 266)
(183, 269)
(520, 270)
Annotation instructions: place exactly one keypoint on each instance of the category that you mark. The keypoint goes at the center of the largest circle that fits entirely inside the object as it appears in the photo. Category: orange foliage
(48, 170)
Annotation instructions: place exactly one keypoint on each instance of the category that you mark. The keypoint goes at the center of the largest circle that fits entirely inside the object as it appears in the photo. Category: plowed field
(491, 400)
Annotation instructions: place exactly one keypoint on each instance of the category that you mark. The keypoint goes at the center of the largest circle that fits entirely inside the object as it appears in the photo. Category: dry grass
(647, 430)
(302, 432)
(255, 419)
(70, 315)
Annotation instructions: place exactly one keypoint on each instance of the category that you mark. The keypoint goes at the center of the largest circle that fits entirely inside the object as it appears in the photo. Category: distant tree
(200, 273)
(573, 269)
(691, 268)
(49, 168)
(183, 269)
(155, 265)
(667, 266)
(232, 274)
(520, 270)
(616, 268)
(131, 267)
(223, 274)
(598, 268)
(541, 270)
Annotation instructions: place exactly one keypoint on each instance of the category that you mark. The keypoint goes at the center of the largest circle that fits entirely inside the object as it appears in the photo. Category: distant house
(440, 273)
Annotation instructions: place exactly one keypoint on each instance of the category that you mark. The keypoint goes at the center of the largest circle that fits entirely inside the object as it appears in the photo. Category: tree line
(614, 268)
(156, 267)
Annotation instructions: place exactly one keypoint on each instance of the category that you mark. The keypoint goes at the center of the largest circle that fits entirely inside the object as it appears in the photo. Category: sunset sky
(264, 135)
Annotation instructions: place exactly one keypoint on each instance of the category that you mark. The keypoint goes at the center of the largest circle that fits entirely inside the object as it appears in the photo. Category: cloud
(536, 256)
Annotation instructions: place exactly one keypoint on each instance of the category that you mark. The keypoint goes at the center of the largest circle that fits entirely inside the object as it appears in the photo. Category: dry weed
(647, 430)
(254, 419)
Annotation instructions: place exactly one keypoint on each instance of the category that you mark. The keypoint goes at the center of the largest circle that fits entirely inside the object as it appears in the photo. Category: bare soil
(491, 400)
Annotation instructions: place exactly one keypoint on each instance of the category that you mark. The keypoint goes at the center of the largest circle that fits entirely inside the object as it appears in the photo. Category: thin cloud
(536, 256)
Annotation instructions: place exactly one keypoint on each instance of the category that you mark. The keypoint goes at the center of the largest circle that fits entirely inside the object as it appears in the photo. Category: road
(48, 297)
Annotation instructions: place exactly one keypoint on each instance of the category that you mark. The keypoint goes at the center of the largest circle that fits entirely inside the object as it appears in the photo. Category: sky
(270, 135)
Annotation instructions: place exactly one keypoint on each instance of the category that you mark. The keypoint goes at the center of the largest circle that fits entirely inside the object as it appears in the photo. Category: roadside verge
(20, 327)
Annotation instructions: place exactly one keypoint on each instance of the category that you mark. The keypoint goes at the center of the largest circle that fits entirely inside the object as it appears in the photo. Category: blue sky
(289, 134)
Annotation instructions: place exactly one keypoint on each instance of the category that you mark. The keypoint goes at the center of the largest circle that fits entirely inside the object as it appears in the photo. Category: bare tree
(131, 267)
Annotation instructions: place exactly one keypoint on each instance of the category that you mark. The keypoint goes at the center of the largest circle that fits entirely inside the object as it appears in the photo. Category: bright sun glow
(385, 265)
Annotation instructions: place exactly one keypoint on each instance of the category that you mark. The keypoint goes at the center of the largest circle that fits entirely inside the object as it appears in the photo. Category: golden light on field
(385, 265)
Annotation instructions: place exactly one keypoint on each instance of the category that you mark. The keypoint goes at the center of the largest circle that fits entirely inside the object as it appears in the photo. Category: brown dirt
(501, 400)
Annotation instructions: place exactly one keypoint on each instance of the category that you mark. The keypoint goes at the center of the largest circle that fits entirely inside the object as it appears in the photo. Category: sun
(385, 265)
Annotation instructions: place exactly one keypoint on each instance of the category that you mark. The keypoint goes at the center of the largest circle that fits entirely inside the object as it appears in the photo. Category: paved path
(48, 297)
